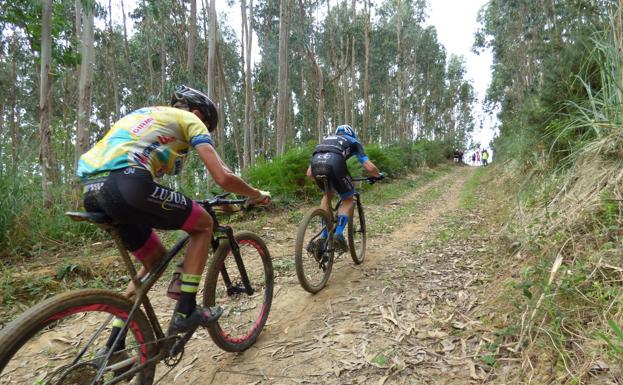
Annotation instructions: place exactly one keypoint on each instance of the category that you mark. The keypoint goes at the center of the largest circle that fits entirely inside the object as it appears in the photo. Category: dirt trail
(399, 318)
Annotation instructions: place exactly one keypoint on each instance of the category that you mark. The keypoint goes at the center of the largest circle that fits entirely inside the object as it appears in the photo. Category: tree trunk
(126, 51)
(211, 47)
(15, 137)
(230, 106)
(282, 97)
(45, 104)
(352, 71)
(163, 67)
(85, 84)
(400, 79)
(149, 20)
(249, 131)
(192, 40)
(366, 78)
(113, 66)
(320, 127)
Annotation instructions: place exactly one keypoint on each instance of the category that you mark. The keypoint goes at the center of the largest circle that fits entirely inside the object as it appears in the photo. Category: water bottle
(174, 290)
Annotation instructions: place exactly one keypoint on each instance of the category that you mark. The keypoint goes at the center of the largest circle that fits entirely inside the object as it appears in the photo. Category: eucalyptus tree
(537, 49)
(85, 81)
(282, 81)
(247, 42)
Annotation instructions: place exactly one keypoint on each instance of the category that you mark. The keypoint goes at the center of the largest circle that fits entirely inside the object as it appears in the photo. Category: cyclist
(117, 176)
(329, 159)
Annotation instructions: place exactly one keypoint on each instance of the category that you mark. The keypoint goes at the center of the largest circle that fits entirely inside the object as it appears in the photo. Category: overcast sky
(455, 21)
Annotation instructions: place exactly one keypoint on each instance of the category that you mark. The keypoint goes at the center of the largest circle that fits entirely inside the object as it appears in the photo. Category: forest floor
(410, 314)
(417, 311)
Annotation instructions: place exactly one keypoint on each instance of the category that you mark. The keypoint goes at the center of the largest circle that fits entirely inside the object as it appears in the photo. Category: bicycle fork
(233, 289)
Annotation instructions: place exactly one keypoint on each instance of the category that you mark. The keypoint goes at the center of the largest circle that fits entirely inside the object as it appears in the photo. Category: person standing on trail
(474, 158)
(118, 178)
(477, 158)
(329, 159)
(485, 157)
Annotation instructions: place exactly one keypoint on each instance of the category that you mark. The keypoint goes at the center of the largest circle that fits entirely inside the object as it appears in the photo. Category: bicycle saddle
(94, 216)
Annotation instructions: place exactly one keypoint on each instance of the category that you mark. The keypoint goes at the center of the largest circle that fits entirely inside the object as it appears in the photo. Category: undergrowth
(564, 267)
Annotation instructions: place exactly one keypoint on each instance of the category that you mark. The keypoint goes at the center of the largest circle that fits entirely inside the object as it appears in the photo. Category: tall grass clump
(27, 225)
(569, 227)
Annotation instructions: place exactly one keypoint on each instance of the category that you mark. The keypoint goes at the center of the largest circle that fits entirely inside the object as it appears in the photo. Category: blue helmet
(346, 130)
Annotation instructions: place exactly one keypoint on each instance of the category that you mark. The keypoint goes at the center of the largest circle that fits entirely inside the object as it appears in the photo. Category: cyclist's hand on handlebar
(374, 179)
(261, 200)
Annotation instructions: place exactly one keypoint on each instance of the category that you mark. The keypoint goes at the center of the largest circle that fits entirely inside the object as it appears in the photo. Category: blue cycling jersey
(344, 145)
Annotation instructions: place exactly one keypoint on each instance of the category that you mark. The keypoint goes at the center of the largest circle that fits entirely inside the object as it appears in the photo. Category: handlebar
(369, 179)
(220, 200)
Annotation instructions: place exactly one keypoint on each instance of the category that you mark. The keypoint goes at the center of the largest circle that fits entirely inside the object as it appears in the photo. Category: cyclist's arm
(371, 168)
(222, 175)
(309, 172)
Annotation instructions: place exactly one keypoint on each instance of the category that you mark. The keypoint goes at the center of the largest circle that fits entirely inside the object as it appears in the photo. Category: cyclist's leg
(322, 165)
(134, 199)
(343, 183)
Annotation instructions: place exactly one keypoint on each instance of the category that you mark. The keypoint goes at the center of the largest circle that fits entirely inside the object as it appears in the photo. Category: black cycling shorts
(138, 205)
(334, 166)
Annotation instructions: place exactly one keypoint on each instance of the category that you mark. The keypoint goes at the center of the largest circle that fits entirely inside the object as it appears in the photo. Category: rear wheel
(57, 341)
(357, 233)
(245, 308)
(313, 254)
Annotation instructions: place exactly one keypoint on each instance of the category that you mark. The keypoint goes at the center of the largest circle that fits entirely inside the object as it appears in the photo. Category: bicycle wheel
(313, 258)
(357, 233)
(55, 342)
(244, 313)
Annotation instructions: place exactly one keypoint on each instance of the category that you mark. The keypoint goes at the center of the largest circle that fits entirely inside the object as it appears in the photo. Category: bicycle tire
(239, 326)
(54, 323)
(306, 262)
(357, 226)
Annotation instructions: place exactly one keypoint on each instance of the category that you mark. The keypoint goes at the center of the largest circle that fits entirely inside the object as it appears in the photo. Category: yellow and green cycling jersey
(154, 138)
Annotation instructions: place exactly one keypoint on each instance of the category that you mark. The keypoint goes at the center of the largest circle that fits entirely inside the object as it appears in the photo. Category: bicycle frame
(145, 283)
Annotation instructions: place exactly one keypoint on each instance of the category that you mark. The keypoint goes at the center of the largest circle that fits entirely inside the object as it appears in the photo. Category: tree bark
(85, 84)
(352, 71)
(230, 106)
(45, 104)
(15, 138)
(249, 130)
(282, 96)
(113, 66)
(211, 47)
(149, 20)
(126, 51)
(192, 40)
(366, 76)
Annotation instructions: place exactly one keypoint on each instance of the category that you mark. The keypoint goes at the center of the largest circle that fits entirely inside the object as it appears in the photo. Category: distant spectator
(456, 155)
(485, 157)
(474, 158)
(477, 158)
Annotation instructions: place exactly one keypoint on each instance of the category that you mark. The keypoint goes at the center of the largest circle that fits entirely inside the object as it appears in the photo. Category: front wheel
(357, 233)
(58, 341)
(244, 289)
(313, 252)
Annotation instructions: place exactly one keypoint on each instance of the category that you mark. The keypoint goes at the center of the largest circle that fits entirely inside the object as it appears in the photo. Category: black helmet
(197, 99)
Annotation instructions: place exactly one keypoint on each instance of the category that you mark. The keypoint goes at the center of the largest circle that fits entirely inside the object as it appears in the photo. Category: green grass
(473, 189)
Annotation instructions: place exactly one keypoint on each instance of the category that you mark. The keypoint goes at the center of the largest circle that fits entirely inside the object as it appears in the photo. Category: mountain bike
(314, 254)
(57, 341)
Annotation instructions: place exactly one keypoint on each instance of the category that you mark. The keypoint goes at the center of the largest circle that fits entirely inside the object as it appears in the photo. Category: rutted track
(384, 321)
